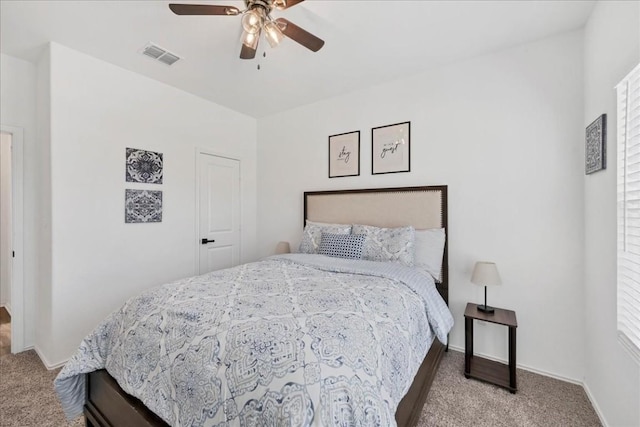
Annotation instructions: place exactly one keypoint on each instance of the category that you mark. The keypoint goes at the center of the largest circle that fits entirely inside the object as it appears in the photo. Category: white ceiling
(367, 42)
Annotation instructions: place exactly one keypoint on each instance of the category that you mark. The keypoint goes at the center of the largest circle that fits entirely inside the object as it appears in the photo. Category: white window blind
(629, 212)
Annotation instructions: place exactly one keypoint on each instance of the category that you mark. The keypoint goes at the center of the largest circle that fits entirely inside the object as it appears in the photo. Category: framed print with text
(344, 154)
(391, 148)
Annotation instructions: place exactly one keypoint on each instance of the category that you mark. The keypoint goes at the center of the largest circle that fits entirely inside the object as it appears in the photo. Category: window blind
(628, 91)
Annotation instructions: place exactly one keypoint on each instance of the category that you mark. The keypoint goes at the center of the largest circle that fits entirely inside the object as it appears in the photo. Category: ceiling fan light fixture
(252, 22)
(273, 34)
(251, 39)
(256, 19)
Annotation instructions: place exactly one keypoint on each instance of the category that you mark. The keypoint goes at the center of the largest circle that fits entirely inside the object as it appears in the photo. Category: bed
(351, 384)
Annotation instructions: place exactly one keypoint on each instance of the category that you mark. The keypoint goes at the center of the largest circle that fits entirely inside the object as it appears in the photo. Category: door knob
(205, 241)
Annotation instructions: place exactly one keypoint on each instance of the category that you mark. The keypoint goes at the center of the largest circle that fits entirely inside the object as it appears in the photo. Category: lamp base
(486, 309)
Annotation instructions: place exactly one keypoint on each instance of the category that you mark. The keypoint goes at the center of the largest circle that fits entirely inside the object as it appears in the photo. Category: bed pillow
(342, 245)
(387, 244)
(313, 234)
(429, 250)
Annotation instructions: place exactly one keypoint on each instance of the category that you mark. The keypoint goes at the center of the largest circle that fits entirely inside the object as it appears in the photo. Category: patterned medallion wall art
(142, 206)
(595, 148)
(144, 166)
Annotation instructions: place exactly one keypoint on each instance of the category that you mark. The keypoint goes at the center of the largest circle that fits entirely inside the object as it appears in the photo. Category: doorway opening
(5, 331)
(11, 240)
(6, 242)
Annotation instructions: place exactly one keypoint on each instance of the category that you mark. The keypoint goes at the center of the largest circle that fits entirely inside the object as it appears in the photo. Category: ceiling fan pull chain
(264, 55)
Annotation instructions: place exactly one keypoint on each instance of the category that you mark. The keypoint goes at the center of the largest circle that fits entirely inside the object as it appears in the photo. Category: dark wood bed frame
(107, 405)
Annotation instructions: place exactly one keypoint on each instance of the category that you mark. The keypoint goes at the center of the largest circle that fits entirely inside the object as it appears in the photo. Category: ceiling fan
(256, 19)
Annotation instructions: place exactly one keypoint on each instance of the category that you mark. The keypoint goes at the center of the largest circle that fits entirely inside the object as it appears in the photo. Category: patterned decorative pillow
(387, 244)
(313, 234)
(342, 245)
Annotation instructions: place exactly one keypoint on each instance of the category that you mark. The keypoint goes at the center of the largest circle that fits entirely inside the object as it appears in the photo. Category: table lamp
(283, 248)
(485, 274)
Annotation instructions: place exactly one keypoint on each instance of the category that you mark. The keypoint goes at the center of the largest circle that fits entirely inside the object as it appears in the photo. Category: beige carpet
(455, 401)
(26, 393)
(27, 398)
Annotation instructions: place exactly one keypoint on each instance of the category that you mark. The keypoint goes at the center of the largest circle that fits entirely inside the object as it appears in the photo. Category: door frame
(208, 152)
(17, 244)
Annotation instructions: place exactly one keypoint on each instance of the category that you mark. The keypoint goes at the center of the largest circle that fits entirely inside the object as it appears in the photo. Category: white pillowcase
(429, 251)
(312, 235)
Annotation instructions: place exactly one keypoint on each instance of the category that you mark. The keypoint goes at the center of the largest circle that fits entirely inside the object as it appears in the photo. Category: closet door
(219, 214)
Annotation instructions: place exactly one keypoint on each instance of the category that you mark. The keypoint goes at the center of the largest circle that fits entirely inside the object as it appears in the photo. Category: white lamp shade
(283, 248)
(485, 274)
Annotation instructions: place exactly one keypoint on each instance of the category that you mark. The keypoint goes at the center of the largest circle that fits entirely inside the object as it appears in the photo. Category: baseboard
(524, 367)
(584, 385)
(594, 403)
(50, 366)
(7, 307)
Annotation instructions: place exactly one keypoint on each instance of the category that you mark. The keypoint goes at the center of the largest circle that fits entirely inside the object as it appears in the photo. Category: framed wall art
(144, 166)
(391, 148)
(344, 154)
(142, 206)
(595, 149)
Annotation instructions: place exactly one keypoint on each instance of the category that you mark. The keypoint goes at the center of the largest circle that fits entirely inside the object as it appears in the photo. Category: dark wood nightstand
(484, 369)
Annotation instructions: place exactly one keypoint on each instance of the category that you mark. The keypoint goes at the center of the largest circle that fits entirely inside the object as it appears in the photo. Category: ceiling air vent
(156, 52)
(168, 58)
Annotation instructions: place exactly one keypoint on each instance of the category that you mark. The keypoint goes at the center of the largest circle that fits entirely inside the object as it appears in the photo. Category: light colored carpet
(26, 393)
(27, 398)
(455, 401)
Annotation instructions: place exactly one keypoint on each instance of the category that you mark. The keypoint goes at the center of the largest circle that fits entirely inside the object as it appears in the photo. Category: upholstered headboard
(421, 207)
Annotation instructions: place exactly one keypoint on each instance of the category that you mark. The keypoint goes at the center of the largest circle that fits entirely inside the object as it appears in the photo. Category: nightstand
(484, 369)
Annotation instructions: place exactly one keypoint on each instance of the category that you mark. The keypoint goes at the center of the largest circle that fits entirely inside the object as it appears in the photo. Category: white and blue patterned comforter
(291, 340)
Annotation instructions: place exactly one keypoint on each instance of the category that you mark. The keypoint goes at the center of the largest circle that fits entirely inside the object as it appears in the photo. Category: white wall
(18, 109)
(5, 220)
(44, 319)
(98, 261)
(612, 49)
(504, 132)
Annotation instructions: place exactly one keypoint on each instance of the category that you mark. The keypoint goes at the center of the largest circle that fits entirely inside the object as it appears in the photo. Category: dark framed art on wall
(142, 206)
(595, 148)
(391, 148)
(144, 166)
(344, 154)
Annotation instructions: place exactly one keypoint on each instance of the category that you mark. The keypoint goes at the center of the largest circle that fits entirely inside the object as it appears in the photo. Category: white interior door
(219, 215)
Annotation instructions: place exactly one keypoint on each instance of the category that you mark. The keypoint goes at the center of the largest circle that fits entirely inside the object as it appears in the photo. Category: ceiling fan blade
(202, 9)
(285, 4)
(299, 35)
(247, 52)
